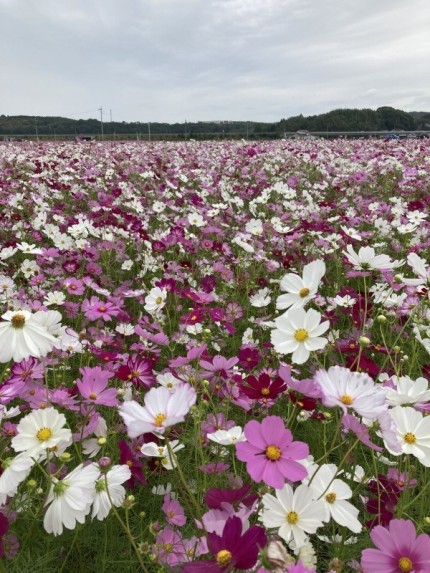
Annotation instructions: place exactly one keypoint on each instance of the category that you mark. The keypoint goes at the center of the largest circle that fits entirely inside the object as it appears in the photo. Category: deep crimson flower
(384, 495)
(127, 456)
(249, 357)
(232, 550)
(214, 498)
(263, 388)
(137, 371)
(4, 528)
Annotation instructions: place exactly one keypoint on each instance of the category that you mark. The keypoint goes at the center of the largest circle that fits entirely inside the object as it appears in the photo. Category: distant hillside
(422, 119)
(384, 118)
(22, 125)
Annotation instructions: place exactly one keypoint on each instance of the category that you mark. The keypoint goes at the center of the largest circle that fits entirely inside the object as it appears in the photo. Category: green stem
(126, 529)
(183, 480)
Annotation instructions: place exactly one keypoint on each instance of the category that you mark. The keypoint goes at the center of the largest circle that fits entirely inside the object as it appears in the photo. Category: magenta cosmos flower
(232, 550)
(270, 453)
(399, 550)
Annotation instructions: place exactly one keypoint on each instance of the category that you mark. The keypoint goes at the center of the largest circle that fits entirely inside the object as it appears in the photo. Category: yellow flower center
(303, 292)
(410, 438)
(346, 399)
(265, 391)
(301, 335)
(18, 320)
(159, 419)
(331, 497)
(92, 396)
(405, 564)
(292, 517)
(168, 547)
(273, 453)
(44, 434)
(159, 300)
(223, 557)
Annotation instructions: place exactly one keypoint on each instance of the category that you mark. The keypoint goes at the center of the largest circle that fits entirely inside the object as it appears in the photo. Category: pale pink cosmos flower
(353, 390)
(93, 386)
(161, 410)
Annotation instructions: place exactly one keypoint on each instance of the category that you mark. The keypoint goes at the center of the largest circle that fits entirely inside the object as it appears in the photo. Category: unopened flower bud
(105, 462)
(364, 341)
(65, 457)
(381, 318)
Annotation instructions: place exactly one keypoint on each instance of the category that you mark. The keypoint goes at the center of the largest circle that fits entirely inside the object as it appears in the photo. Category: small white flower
(407, 391)
(300, 290)
(156, 300)
(56, 297)
(260, 298)
(109, 491)
(15, 471)
(299, 332)
(227, 437)
(413, 433)
(168, 459)
(367, 260)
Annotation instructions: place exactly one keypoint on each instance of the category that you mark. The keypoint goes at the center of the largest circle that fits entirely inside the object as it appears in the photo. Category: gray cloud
(171, 60)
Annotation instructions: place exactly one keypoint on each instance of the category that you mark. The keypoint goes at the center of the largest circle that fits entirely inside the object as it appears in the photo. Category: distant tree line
(384, 118)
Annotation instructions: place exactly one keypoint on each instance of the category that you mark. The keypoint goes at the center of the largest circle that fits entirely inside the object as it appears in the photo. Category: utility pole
(101, 120)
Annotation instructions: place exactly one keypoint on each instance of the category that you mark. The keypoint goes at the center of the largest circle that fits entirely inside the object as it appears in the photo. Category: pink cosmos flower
(94, 308)
(173, 511)
(220, 369)
(93, 386)
(399, 550)
(270, 453)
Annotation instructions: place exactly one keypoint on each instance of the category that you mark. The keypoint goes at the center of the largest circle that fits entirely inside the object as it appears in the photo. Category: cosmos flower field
(214, 357)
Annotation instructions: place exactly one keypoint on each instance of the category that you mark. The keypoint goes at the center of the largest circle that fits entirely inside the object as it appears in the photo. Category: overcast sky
(177, 60)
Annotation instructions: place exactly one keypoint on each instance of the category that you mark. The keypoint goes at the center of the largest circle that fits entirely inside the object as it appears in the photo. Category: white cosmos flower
(55, 297)
(295, 513)
(299, 332)
(413, 433)
(70, 499)
(260, 298)
(421, 270)
(227, 437)
(155, 300)
(41, 430)
(15, 471)
(300, 290)
(407, 391)
(367, 260)
(334, 493)
(109, 490)
(23, 334)
(168, 459)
